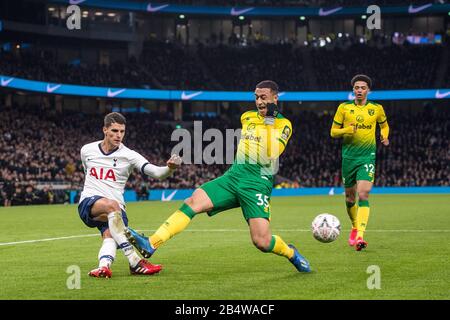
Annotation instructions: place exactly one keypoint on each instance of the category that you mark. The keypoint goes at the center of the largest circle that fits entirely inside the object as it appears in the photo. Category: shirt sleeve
(243, 116)
(138, 161)
(285, 132)
(339, 116)
(381, 115)
(83, 158)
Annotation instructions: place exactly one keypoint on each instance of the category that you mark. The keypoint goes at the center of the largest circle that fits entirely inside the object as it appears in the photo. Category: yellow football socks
(279, 247)
(352, 210)
(363, 217)
(176, 223)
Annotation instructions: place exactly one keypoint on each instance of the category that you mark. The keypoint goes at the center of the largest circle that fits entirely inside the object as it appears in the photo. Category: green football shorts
(251, 194)
(357, 169)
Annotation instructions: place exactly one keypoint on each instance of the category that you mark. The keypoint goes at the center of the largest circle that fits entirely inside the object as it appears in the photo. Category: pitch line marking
(47, 239)
(216, 230)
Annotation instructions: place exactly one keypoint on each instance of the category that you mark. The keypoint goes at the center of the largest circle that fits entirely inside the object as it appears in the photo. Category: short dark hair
(362, 77)
(114, 117)
(272, 85)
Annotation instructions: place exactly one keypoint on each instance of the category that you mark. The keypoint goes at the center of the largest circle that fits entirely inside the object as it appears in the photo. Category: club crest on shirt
(251, 127)
(371, 112)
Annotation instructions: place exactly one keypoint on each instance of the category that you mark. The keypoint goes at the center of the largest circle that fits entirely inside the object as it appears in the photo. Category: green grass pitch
(408, 236)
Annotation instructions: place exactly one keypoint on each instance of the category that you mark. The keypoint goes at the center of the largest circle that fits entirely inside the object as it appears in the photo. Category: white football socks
(107, 253)
(117, 230)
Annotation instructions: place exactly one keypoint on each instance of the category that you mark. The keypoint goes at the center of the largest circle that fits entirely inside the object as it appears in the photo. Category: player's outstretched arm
(162, 172)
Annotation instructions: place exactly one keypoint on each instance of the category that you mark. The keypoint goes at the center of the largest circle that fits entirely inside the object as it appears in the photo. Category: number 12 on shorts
(262, 200)
(370, 168)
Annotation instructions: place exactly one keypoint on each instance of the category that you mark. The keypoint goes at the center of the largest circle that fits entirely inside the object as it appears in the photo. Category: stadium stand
(407, 67)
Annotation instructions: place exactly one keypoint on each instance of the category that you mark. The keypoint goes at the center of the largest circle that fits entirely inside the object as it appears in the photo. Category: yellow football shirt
(260, 144)
(362, 144)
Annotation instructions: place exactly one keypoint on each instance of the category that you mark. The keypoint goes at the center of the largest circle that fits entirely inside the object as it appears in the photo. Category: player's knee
(106, 234)
(189, 201)
(363, 195)
(262, 243)
(350, 198)
(111, 205)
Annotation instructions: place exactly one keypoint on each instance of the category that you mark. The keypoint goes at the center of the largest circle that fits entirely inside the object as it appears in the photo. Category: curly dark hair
(362, 77)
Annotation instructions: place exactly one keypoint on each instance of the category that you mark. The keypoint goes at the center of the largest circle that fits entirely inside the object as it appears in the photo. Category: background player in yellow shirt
(355, 121)
(247, 183)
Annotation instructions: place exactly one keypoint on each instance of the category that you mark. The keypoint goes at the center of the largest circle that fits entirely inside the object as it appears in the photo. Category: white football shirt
(107, 173)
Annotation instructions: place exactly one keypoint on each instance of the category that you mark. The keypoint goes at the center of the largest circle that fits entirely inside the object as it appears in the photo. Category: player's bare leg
(363, 188)
(266, 242)
(260, 233)
(352, 210)
(197, 203)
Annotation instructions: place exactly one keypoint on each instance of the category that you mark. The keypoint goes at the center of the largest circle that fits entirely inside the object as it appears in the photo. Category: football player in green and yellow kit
(247, 183)
(355, 121)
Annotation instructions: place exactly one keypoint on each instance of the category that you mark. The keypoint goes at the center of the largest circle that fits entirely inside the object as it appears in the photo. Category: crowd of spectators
(42, 65)
(235, 65)
(405, 67)
(175, 67)
(39, 149)
(228, 67)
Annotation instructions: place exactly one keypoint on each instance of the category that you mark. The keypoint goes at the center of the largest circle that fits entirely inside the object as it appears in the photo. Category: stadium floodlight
(51, 9)
(241, 17)
(181, 16)
(303, 18)
(340, 35)
(99, 13)
(363, 17)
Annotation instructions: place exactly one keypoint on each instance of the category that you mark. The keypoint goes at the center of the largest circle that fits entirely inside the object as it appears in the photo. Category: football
(326, 227)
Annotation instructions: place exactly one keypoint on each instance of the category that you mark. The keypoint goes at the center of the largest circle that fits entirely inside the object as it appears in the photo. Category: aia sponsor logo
(102, 174)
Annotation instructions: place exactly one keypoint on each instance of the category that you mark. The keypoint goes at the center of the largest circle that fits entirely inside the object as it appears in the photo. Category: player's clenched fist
(272, 112)
(174, 162)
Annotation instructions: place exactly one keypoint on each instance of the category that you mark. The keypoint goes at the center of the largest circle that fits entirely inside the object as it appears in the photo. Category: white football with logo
(326, 227)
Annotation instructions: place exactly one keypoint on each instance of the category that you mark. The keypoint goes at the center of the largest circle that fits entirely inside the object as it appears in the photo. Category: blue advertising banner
(181, 194)
(149, 94)
(161, 7)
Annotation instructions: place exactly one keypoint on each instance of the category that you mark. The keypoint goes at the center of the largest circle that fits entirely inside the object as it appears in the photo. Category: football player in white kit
(107, 165)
